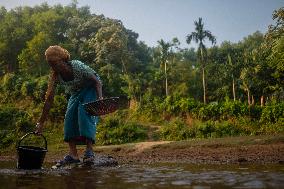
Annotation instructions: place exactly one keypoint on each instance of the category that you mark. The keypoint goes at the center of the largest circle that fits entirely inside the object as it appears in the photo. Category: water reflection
(81, 178)
(166, 176)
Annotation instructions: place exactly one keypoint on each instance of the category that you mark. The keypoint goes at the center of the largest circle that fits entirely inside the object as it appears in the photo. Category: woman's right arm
(49, 96)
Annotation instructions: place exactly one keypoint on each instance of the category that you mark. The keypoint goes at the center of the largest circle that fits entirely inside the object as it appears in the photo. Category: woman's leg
(89, 154)
(73, 150)
(89, 146)
(71, 158)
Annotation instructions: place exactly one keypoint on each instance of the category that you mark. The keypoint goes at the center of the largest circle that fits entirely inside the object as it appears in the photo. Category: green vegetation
(115, 131)
(228, 90)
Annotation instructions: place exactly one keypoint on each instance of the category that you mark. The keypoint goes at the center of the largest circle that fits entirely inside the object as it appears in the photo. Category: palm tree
(230, 65)
(164, 56)
(199, 36)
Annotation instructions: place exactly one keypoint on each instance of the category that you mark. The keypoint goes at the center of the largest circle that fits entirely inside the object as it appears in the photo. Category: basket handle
(23, 137)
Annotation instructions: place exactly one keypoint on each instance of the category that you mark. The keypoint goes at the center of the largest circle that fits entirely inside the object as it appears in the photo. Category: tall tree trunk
(248, 92)
(166, 77)
(234, 90)
(203, 76)
(262, 101)
(108, 74)
(203, 82)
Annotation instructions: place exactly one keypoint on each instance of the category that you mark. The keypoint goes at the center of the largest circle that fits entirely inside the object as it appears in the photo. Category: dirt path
(144, 146)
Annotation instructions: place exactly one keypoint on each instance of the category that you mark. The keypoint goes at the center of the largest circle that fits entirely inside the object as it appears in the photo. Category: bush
(226, 128)
(113, 131)
(6, 138)
(150, 106)
(28, 88)
(9, 116)
(272, 113)
(176, 130)
(13, 123)
(177, 105)
(9, 82)
(40, 90)
(255, 112)
(209, 112)
(233, 109)
(58, 108)
(24, 125)
(205, 130)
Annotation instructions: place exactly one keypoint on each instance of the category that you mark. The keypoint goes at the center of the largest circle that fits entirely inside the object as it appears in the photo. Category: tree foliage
(239, 76)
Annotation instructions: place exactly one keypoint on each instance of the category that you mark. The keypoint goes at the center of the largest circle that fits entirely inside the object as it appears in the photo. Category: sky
(153, 20)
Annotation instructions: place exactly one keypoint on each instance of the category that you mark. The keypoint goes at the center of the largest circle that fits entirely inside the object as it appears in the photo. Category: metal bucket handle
(23, 137)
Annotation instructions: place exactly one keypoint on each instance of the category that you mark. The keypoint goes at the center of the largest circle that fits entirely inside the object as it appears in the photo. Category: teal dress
(78, 124)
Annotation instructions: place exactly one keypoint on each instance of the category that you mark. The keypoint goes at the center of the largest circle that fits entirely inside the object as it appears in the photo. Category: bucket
(30, 157)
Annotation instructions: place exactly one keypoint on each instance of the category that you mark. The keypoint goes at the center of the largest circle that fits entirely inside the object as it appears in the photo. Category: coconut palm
(164, 56)
(199, 36)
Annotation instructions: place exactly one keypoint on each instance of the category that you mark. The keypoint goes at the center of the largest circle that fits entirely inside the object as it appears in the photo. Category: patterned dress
(78, 124)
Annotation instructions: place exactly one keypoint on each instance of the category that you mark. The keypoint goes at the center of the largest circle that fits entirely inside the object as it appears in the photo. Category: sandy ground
(263, 150)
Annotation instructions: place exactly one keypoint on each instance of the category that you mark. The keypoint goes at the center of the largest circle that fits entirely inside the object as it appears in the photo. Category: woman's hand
(39, 127)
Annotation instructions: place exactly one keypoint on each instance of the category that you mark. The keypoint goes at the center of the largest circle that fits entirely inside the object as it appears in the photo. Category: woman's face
(57, 65)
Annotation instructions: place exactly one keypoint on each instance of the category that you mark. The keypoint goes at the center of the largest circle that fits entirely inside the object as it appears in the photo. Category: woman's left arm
(98, 85)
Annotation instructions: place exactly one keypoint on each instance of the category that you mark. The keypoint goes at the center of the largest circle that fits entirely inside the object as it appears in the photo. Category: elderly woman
(84, 85)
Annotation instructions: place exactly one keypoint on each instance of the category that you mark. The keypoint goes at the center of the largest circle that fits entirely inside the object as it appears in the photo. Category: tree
(252, 61)
(230, 55)
(15, 30)
(199, 36)
(274, 41)
(164, 58)
(32, 59)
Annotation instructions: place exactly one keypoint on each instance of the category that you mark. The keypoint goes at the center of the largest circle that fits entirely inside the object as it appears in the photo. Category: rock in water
(99, 161)
(104, 161)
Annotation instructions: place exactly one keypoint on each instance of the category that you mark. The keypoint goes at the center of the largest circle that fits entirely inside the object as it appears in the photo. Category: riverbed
(158, 175)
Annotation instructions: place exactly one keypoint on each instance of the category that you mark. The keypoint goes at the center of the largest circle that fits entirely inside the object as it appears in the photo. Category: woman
(84, 85)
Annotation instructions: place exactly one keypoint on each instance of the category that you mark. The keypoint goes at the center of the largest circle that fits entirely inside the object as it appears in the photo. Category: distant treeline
(221, 82)
(250, 70)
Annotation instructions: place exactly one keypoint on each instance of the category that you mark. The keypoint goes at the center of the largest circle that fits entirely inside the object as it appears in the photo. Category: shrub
(150, 106)
(176, 130)
(28, 88)
(177, 105)
(6, 138)
(204, 130)
(40, 90)
(272, 113)
(234, 109)
(59, 107)
(24, 124)
(9, 82)
(9, 115)
(209, 112)
(113, 131)
(13, 122)
(226, 128)
(255, 112)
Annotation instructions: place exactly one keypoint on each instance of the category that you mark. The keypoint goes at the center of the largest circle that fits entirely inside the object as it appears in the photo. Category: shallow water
(145, 176)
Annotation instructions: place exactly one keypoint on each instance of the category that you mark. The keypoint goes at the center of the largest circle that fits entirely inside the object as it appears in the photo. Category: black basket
(106, 106)
(30, 157)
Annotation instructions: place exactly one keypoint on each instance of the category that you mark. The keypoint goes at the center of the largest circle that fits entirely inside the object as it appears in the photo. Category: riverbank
(229, 150)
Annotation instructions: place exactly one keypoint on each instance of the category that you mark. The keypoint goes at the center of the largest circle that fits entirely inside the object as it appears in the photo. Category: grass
(226, 141)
